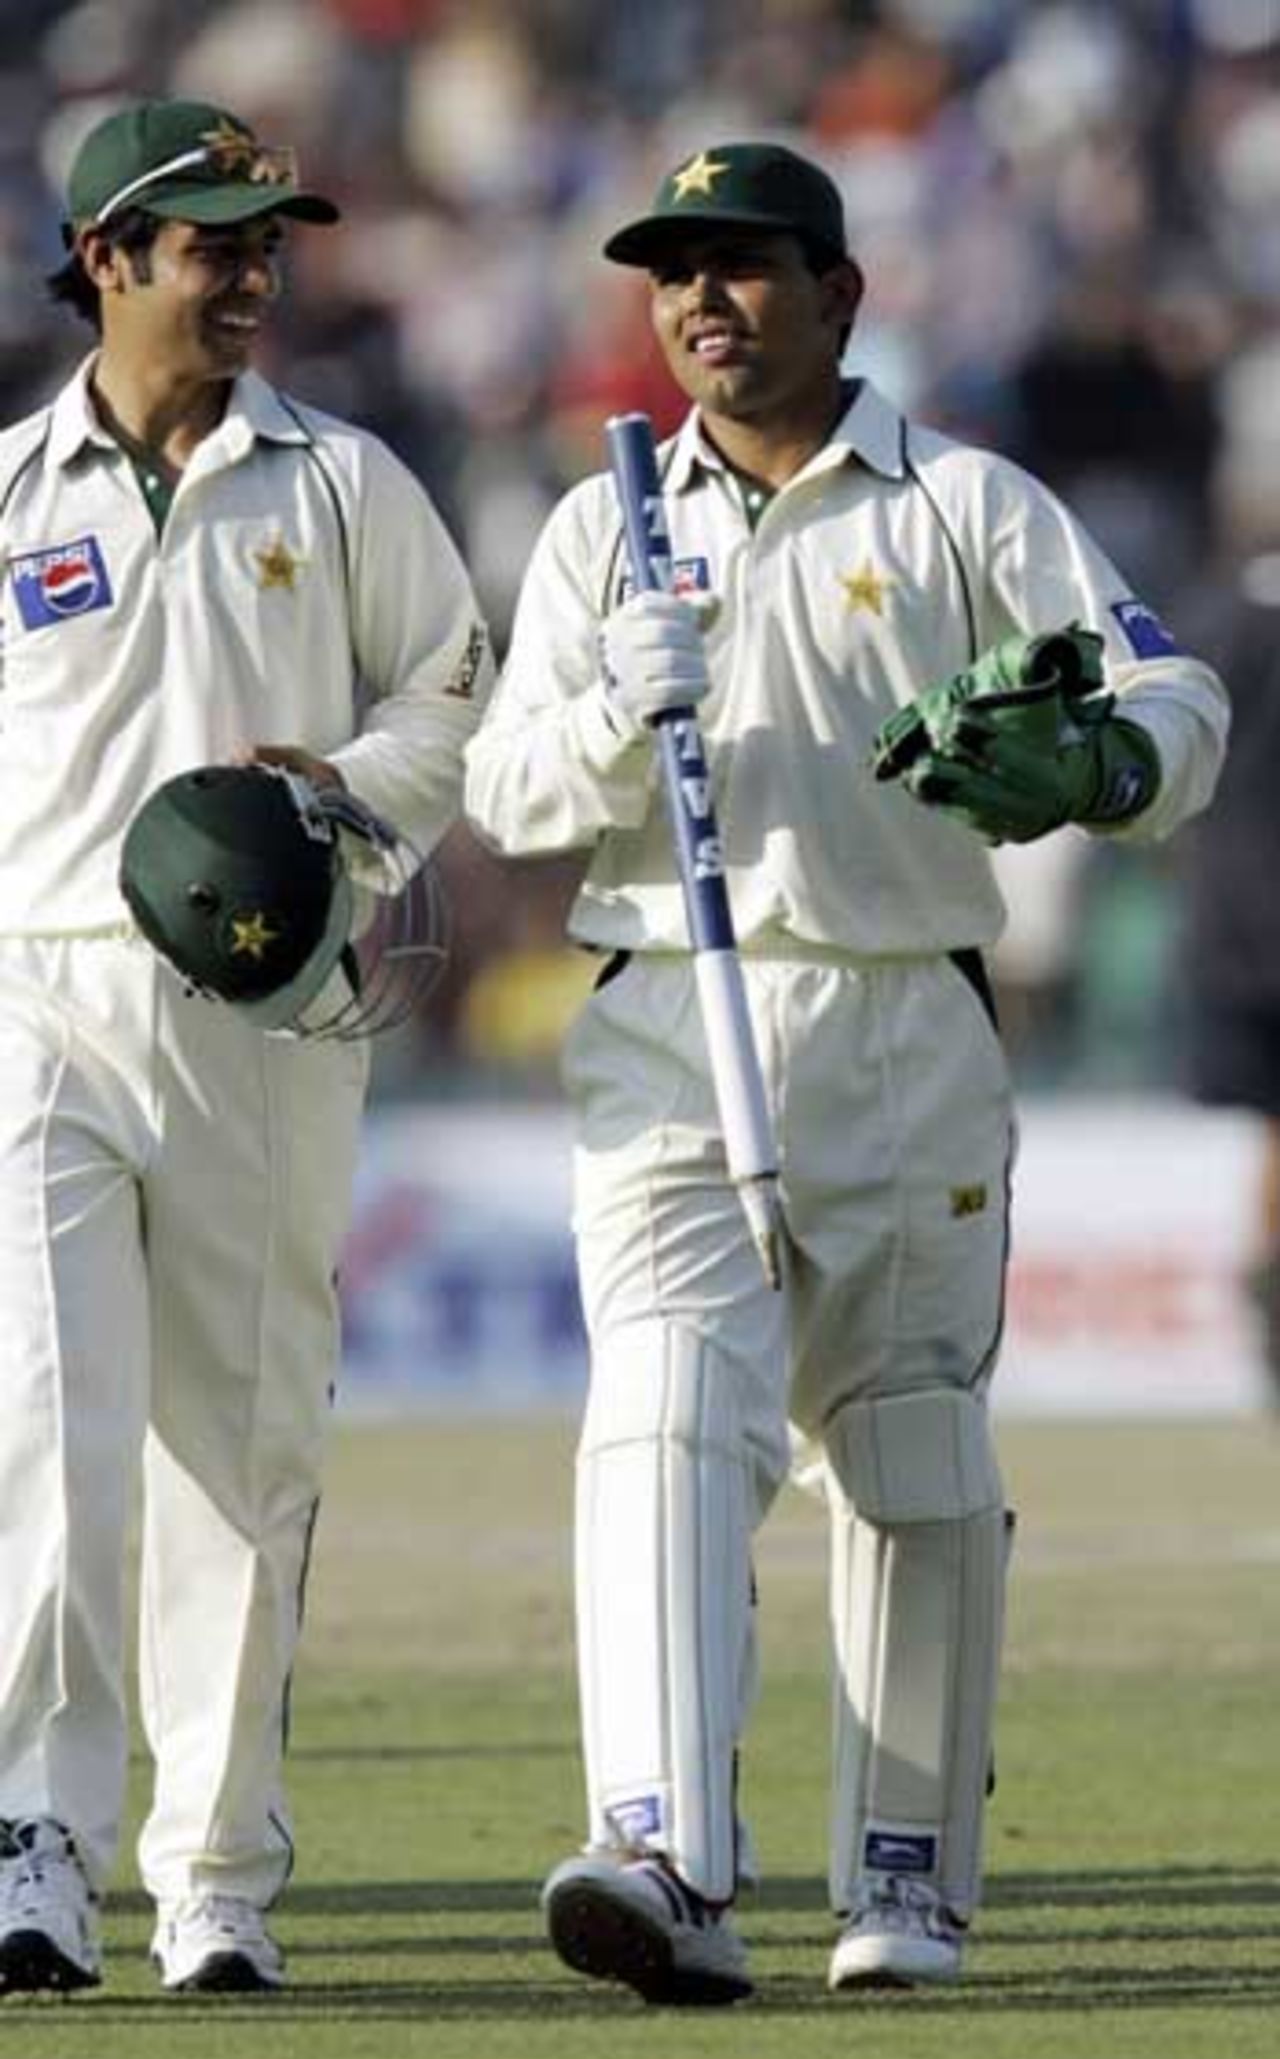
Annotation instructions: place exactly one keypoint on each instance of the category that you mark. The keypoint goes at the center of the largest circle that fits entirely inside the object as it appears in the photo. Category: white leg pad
(663, 1575)
(917, 1596)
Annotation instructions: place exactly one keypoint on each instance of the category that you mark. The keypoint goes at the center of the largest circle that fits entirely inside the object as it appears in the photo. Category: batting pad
(665, 1639)
(917, 1597)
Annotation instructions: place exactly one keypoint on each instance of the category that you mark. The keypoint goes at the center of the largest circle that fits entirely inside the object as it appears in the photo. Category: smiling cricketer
(197, 569)
(900, 650)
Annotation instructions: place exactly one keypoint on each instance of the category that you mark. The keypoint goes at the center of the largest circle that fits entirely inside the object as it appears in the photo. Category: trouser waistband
(967, 959)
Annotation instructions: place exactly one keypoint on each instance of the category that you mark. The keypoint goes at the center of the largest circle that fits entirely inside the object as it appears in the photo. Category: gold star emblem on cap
(277, 566)
(250, 936)
(232, 149)
(865, 588)
(698, 176)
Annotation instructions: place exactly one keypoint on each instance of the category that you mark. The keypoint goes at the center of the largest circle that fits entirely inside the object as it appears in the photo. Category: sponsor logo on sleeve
(462, 685)
(57, 584)
(689, 577)
(1143, 630)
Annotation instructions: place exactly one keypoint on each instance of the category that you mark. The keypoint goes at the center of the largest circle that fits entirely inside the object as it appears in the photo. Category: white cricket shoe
(215, 1944)
(635, 1921)
(900, 1933)
(48, 1912)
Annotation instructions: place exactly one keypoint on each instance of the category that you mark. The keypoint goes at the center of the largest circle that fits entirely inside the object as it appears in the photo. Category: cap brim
(639, 243)
(238, 203)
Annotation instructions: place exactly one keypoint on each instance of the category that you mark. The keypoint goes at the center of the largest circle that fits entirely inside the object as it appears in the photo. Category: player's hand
(1022, 742)
(1019, 673)
(291, 758)
(652, 658)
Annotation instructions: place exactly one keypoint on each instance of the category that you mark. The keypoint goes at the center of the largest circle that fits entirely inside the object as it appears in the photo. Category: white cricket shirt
(301, 564)
(892, 560)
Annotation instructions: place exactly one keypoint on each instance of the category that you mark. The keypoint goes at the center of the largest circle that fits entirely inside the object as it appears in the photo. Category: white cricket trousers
(892, 1109)
(174, 1186)
(890, 1097)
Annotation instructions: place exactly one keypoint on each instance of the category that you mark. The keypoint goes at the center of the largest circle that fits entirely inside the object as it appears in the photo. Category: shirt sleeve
(1043, 571)
(547, 771)
(421, 648)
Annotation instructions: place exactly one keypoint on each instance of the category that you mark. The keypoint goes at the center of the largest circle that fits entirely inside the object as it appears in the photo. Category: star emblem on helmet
(277, 566)
(698, 176)
(250, 936)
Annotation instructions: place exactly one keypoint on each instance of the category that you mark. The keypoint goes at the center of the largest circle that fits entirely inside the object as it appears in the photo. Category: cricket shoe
(635, 1921)
(901, 1933)
(49, 1938)
(215, 1944)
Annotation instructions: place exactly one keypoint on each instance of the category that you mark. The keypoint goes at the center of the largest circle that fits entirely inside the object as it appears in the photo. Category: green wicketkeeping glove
(1022, 741)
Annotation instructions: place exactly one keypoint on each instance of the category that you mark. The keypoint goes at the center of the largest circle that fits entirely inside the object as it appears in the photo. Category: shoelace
(230, 1913)
(31, 1855)
(904, 1904)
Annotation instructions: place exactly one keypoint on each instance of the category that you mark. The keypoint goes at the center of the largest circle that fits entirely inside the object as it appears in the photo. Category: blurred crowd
(1069, 217)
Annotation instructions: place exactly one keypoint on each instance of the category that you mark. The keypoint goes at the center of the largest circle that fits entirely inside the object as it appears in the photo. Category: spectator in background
(1232, 957)
(1033, 964)
(1050, 202)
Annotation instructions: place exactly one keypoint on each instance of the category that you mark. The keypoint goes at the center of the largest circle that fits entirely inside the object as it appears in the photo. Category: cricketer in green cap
(184, 160)
(739, 185)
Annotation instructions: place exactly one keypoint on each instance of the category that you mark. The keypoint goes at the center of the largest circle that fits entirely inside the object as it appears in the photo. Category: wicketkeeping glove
(652, 659)
(1023, 741)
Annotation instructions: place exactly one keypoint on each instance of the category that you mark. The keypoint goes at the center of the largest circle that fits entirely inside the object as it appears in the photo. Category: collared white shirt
(302, 574)
(889, 562)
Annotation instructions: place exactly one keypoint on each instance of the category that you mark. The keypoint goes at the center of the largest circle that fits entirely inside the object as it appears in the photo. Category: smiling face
(194, 304)
(752, 333)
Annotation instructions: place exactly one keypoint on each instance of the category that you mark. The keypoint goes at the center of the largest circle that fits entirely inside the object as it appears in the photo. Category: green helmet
(293, 902)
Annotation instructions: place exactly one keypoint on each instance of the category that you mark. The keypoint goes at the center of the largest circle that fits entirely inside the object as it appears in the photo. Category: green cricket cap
(185, 160)
(747, 185)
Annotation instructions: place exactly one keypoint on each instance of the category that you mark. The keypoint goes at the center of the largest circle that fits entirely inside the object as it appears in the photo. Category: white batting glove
(652, 656)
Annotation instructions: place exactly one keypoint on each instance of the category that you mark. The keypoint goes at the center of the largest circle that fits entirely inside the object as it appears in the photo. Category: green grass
(1133, 1902)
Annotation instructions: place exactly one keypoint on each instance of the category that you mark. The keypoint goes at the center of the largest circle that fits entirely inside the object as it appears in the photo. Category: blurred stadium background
(1069, 215)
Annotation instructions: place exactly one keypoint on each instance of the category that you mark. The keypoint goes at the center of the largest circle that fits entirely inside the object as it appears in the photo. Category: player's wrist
(605, 735)
(1119, 776)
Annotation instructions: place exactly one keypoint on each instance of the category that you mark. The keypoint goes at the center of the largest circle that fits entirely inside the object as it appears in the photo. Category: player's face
(198, 302)
(747, 327)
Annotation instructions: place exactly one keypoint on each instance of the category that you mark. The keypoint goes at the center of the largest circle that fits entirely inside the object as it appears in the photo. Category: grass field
(1133, 1907)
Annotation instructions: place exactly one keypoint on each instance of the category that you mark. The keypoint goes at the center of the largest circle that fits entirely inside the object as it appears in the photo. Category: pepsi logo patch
(57, 584)
(688, 576)
(1144, 632)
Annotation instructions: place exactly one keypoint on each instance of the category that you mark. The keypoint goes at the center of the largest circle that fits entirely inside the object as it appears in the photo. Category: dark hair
(133, 232)
(821, 259)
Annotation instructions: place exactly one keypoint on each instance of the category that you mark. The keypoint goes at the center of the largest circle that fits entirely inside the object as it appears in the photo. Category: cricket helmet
(293, 902)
